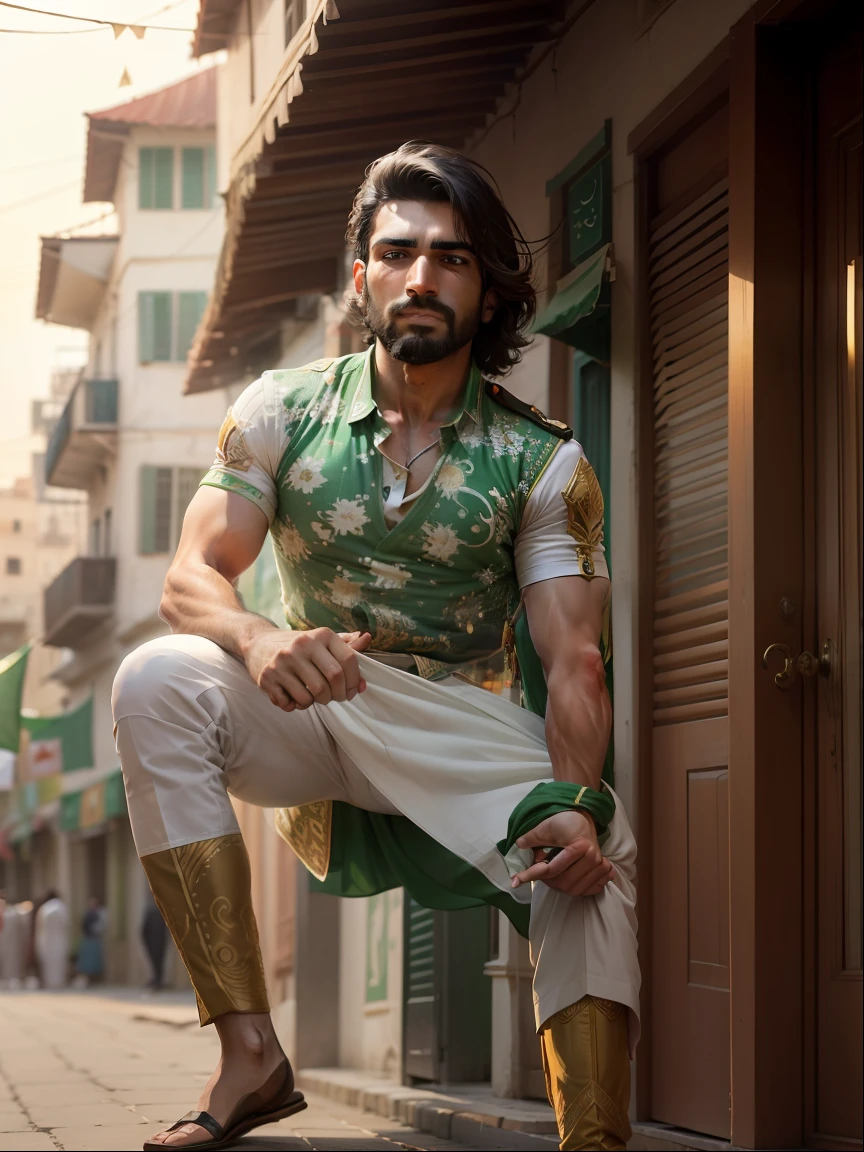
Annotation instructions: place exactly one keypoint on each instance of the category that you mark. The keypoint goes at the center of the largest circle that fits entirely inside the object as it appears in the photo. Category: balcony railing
(73, 450)
(78, 600)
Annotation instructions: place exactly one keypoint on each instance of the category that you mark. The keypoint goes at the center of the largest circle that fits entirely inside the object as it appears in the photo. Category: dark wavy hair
(422, 171)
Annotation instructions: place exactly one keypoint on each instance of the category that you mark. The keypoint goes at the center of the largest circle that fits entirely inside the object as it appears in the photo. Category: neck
(420, 393)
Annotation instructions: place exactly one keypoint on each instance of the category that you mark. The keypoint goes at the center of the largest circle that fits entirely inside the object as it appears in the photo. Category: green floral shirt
(303, 445)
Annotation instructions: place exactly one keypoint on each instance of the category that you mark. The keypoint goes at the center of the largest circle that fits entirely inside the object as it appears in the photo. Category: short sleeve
(544, 546)
(252, 440)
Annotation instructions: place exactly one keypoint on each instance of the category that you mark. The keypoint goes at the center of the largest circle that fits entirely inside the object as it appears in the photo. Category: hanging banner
(66, 740)
(46, 757)
(12, 672)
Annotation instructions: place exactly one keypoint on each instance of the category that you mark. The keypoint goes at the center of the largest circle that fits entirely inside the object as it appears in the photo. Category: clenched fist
(299, 669)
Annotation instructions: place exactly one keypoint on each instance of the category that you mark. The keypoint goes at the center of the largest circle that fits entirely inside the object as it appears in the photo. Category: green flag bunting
(12, 671)
(61, 743)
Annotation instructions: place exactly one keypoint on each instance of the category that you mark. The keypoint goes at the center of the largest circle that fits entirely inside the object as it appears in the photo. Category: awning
(350, 89)
(73, 278)
(578, 311)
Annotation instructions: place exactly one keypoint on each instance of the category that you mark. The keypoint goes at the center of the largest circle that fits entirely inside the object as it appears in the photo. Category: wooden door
(687, 284)
(838, 414)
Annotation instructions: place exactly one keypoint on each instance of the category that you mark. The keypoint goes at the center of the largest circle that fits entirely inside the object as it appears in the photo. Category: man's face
(421, 290)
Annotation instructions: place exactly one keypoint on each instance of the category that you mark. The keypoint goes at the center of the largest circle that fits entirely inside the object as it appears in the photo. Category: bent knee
(151, 674)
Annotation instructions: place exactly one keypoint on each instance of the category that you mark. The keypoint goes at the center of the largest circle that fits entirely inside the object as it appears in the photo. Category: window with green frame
(167, 322)
(578, 311)
(156, 178)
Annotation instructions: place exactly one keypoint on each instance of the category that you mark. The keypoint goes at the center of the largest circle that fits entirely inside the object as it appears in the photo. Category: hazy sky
(47, 83)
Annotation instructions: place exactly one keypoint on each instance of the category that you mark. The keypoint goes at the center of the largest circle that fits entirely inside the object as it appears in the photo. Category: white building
(131, 440)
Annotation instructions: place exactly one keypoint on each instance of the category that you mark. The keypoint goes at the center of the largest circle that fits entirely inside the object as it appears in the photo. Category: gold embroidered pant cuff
(203, 891)
(587, 1067)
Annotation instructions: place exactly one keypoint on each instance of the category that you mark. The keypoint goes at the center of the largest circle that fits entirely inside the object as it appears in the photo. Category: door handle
(805, 664)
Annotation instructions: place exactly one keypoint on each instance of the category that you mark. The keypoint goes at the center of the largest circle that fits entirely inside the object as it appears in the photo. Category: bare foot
(251, 1053)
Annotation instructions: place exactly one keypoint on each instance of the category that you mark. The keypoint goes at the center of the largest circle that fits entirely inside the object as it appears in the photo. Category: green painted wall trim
(582, 158)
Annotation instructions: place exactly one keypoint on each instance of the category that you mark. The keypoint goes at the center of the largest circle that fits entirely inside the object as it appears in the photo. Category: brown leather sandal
(254, 1109)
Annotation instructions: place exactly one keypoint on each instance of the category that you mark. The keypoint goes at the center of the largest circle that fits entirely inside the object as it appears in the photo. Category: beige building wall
(37, 540)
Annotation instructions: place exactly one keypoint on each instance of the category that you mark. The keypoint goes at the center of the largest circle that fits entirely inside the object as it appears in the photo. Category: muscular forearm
(578, 718)
(197, 600)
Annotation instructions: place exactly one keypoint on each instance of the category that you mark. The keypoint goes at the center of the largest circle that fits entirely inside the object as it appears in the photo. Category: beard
(421, 346)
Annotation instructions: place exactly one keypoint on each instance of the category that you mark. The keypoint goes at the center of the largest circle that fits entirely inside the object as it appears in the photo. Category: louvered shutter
(145, 178)
(190, 309)
(154, 514)
(163, 178)
(154, 326)
(689, 332)
(193, 178)
(212, 200)
(420, 991)
(688, 310)
(185, 487)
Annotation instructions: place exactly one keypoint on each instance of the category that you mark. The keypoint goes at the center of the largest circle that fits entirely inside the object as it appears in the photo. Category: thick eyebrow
(437, 245)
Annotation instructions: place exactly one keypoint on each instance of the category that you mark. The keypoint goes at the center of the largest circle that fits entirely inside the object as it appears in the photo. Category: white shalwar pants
(192, 726)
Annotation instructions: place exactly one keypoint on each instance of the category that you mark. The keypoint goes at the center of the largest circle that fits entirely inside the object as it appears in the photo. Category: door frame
(771, 745)
(692, 99)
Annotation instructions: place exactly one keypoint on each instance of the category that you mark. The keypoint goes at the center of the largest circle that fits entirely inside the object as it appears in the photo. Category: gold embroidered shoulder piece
(231, 451)
(584, 502)
(307, 831)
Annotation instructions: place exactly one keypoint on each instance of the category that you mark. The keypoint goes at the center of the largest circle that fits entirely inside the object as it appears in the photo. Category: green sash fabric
(548, 799)
(371, 852)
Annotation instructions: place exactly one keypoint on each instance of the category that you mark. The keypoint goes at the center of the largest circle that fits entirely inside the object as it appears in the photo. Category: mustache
(418, 303)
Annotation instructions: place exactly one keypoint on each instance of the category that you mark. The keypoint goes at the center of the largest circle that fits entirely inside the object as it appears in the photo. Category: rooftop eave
(215, 26)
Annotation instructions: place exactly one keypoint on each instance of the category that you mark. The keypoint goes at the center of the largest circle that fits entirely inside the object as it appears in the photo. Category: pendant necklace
(422, 452)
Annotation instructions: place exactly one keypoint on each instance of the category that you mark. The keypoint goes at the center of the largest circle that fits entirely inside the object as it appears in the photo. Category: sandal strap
(204, 1120)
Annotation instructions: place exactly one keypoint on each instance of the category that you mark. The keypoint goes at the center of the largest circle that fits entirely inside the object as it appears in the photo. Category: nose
(421, 278)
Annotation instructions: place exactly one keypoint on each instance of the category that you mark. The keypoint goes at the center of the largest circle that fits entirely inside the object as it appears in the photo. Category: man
(51, 940)
(413, 507)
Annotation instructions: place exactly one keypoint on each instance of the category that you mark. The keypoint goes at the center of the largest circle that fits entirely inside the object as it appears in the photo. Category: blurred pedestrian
(51, 940)
(17, 949)
(154, 936)
(90, 963)
(13, 944)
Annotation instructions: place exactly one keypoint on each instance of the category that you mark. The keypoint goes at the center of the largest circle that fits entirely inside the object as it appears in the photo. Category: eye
(396, 254)
(451, 259)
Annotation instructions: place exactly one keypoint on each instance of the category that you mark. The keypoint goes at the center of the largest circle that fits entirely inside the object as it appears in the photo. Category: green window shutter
(154, 326)
(592, 424)
(190, 309)
(154, 513)
(212, 178)
(146, 342)
(145, 178)
(187, 481)
(193, 178)
(163, 178)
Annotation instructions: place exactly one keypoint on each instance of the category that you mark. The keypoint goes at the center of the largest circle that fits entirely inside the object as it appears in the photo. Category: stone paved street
(84, 1071)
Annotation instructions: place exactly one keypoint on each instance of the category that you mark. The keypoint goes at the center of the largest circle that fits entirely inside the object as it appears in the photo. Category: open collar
(467, 415)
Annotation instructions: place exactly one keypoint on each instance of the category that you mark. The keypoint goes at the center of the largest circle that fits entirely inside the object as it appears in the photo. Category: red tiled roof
(191, 103)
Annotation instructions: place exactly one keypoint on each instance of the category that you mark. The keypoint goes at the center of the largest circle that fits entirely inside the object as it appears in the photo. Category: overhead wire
(34, 199)
(113, 24)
